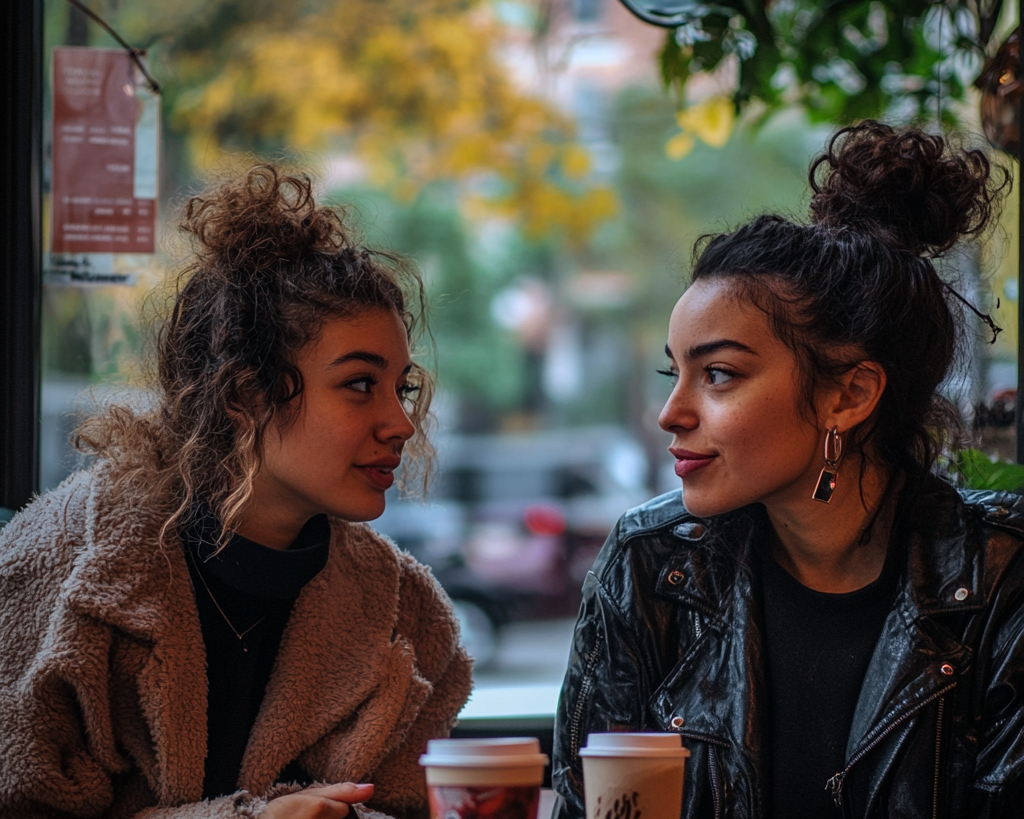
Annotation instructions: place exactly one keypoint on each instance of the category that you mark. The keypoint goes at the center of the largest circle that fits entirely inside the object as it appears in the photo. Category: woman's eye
(407, 393)
(716, 375)
(364, 384)
(669, 374)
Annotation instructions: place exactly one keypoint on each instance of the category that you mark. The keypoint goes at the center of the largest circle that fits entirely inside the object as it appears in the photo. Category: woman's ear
(855, 396)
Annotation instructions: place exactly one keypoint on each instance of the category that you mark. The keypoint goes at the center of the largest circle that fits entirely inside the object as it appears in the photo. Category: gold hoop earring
(826, 484)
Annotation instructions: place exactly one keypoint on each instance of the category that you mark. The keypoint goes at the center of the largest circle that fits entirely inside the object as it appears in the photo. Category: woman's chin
(701, 505)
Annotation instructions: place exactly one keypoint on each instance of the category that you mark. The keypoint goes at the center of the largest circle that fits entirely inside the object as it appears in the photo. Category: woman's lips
(380, 478)
(689, 462)
(381, 473)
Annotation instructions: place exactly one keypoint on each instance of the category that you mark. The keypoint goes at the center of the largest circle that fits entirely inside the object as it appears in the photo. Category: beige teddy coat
(103, 670)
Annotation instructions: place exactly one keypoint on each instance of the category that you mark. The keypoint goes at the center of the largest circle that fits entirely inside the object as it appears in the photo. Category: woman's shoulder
(89, 516)
(663, 529)
(422, 611)
(53, 520)
(965, 545)
(386, 566)
(1002, 510)
(39, 549)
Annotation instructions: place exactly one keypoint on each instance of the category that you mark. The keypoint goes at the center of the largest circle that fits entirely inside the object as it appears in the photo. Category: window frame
(21, 47)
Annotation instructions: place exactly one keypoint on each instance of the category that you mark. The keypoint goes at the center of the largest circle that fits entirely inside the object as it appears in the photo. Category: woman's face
(736, 413)
(338, 451)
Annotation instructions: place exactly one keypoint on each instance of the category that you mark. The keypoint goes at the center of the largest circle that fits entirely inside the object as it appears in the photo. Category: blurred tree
(479, 363)
(415, 92)
(666, 205)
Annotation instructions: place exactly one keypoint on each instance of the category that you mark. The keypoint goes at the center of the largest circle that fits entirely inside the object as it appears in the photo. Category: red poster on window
(104, 154)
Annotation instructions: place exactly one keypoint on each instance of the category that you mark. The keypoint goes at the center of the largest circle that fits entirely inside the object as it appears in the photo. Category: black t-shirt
(255, 588)
(818, 648)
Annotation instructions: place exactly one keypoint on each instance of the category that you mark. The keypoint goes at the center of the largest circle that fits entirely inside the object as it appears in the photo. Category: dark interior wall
(20, 215)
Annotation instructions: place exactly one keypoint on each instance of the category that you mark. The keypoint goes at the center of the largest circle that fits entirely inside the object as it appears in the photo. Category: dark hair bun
(910, 187)
(250, 224)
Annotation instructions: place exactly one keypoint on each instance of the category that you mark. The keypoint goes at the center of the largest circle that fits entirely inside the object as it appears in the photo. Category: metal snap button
(677, 722)
(946, 669)
(960, 595)
(691, 530)
(675, 577)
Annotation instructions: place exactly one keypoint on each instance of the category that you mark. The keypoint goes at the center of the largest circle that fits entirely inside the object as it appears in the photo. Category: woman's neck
(840, 546)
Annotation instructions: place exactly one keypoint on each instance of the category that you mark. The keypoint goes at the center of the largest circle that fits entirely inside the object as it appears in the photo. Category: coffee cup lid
(484, 753)
(634, 745)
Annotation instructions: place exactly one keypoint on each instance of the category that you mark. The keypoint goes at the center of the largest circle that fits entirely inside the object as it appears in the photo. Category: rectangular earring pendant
(826, 485)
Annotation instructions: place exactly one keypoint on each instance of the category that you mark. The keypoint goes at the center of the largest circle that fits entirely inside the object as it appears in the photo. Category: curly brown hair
(268, 266)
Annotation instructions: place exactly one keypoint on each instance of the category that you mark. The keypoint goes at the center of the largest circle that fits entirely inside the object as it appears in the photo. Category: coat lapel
(124, 579)
(338, 670)
(917, 657)
(943, 575)
(718, 687)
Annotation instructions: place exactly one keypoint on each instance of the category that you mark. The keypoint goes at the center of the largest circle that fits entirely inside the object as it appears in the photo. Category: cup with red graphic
(629, 776)
(484, 778)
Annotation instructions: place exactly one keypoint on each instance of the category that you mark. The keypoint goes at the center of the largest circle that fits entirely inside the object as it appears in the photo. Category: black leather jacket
(668, 640)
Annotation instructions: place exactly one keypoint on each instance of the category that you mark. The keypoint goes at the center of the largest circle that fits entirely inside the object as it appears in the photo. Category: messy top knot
(249, 225)
(904, 185)
(268, 267)
(854, 285)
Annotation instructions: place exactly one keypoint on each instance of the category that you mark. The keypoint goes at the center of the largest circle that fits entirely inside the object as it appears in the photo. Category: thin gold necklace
(231, 625)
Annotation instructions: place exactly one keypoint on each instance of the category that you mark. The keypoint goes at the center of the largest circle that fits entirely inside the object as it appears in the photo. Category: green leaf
(875, 39)
(978, 471)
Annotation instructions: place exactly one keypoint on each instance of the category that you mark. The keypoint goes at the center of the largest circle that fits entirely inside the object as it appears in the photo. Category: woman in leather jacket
(833, 631)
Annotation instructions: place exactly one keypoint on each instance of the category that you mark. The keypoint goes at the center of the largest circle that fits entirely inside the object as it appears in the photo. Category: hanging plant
(842, 60)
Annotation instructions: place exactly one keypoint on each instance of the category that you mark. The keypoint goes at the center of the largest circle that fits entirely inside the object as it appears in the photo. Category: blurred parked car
(512, 523)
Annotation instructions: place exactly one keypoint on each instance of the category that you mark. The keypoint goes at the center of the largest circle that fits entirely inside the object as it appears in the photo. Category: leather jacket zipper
(938, 756)
(714, 767)
(716, 781)
(697, 630)
(586, 687)
(836, 782)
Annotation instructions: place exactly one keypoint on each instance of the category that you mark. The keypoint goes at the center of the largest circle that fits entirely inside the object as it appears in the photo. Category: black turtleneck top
(244, 594)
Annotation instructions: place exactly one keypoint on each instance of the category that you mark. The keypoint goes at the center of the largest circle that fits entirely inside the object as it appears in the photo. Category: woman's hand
(328, 802)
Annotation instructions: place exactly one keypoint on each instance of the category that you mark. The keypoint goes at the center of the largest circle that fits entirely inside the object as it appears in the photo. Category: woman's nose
(398, 426)
(677, 414)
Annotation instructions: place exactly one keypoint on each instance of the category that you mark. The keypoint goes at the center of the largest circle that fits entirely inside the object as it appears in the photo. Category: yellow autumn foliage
(711, 121)
(415, 91)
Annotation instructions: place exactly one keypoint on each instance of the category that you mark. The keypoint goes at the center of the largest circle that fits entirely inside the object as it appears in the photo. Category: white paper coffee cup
(628, 775)
(467, 778)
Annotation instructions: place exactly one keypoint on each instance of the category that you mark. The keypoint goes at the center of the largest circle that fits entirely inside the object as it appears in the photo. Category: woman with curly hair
(201, 625)
(833, 630)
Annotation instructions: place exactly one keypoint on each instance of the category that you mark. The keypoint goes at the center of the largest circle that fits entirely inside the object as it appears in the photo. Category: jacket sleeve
(999, 773)
(601, 691)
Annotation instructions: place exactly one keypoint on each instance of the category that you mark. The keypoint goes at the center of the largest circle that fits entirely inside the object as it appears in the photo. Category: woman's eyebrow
(701, 350)
(375, 359)
(712, 347)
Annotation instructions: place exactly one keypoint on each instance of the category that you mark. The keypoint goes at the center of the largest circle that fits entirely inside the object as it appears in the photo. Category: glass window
(540, 181)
